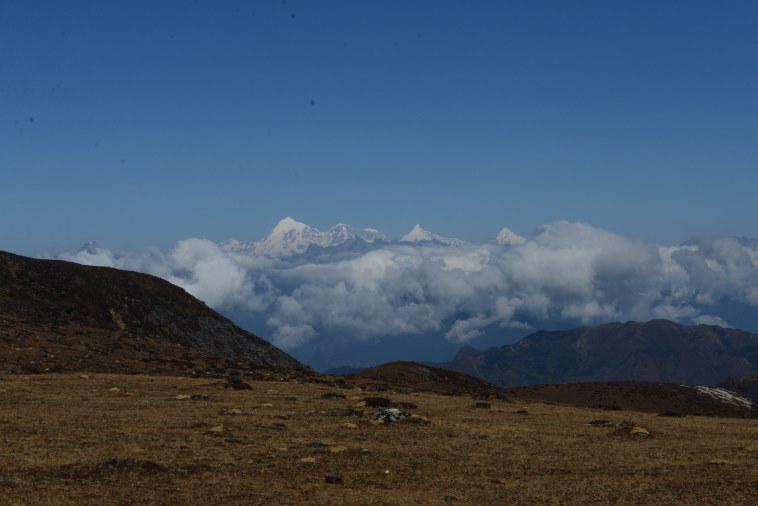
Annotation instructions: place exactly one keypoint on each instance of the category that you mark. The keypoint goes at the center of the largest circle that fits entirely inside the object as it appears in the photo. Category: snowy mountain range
(290, 237)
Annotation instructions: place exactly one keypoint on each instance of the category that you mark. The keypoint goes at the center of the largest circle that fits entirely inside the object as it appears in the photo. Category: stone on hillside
(377, 402)
(639, 432)
(182, 397)
(350, 426)
(114, 389)
(337, 449)
(237, 384)
(418, 419)
(114, 465)
(631, 430)
(308, 460)
(271, 426)
(217, 429)
(391, 415)
(333, 395)
(233, 411)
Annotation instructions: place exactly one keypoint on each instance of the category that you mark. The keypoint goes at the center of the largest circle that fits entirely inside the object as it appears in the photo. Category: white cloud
(568, 271)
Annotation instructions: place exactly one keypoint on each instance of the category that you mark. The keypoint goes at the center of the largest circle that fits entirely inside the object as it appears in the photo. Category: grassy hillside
(113, 439)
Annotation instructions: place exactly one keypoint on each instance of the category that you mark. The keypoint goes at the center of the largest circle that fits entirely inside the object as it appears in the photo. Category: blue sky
(143, 123)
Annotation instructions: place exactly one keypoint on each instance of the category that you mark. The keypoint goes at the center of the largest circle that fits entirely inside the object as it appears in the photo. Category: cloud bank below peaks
(302, 284)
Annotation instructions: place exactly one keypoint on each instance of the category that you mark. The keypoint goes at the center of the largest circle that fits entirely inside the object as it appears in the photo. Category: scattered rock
(217, 429)
(391, 415)
(350, 426)
(347, 412)
(182, 397)
(233, 411)
(333, 395)
(308, 460)
(631, 430)
(237, 384)
(267, 405)
(129, 465)
(337, 449)
(114, 389)
(360, 404)
(334, 479)
(639, 432)
(418, 419)
(84, 376)
(272, 426)
(364, 452)
(377, 402)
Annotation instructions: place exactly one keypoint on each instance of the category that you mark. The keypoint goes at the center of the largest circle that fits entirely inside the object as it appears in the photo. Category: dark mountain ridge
(58, 316)
(657, 351)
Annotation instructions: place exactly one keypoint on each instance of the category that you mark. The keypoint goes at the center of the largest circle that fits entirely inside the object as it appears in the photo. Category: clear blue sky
(141, 123)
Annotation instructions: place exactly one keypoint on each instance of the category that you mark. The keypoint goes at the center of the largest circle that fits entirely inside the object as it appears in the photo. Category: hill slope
(63, 316)
(746, 385)
(647, 397)
(658, 350)
(405, 375)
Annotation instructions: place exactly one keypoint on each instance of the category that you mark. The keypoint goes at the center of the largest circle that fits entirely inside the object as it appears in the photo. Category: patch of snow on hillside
(725, 396)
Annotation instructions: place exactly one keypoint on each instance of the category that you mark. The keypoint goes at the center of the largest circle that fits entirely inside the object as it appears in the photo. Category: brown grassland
(69, 439)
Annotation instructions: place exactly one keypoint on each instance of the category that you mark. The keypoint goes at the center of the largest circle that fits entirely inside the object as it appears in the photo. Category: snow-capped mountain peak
(287, 226)
(507, 237)
(418, 234)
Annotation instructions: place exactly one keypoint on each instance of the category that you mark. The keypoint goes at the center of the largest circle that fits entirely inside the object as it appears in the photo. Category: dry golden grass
(72, 440)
